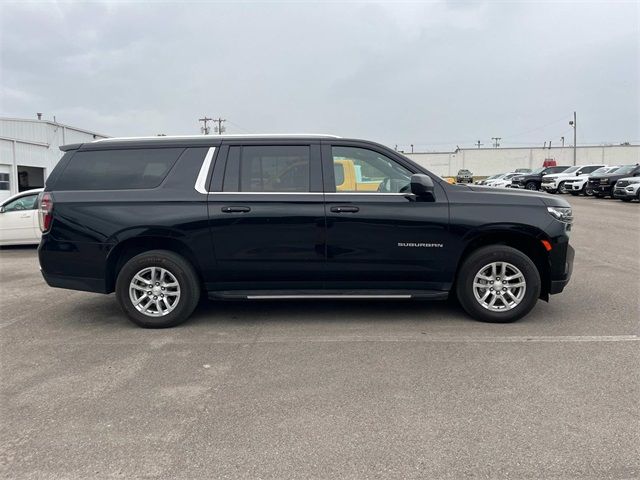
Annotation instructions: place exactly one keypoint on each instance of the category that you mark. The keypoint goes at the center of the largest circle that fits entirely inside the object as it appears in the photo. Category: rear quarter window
(124, 169)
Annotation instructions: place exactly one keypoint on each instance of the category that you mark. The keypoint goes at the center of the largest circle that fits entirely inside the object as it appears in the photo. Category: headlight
(604, 180)
(562, 214)
(629, 189)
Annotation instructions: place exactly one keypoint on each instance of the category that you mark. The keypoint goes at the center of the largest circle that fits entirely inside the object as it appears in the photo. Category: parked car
(161, 220)
(627, 189)
(503, 181)
(555, 182)
(488, 179)
(580, 184)
(604, 183)
(464, 176)
(19, 219)
(522, 170)
(532, 181)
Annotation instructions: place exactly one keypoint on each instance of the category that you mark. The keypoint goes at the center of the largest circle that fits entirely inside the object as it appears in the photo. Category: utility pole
(562, 138)
(496, 141)
(574, 124)
(205, 130)
(220, 129)
(478, 144)
(412, 148)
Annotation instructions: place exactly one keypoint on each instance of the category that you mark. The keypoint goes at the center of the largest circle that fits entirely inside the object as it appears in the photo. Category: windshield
(601, 170)
(509, 175)
(624, 169)
(539, 170)
(571, 169)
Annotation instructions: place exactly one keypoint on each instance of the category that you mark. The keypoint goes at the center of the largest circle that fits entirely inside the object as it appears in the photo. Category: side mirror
(421, 185)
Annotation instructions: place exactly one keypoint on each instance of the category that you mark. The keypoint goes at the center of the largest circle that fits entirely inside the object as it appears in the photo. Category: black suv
(603, 184)
(162, 220)
(533, 180)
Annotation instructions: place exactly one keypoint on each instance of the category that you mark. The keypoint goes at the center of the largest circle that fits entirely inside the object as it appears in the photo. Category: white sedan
(19, 219)
(504, 181)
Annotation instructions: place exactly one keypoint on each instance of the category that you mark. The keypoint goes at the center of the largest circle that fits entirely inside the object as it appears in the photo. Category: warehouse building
(489, 161)
(29, 149)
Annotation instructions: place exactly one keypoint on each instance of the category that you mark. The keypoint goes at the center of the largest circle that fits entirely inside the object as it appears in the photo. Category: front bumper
(549, 187)
(602, 189)
(560, 280)
(623, 194)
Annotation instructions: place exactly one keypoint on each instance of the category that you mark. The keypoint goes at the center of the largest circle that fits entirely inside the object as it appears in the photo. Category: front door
(18, 221)
(267, 219)
(379, 235)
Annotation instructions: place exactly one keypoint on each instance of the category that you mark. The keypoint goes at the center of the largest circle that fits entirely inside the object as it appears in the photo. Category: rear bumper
(84, 284)
(73, 265)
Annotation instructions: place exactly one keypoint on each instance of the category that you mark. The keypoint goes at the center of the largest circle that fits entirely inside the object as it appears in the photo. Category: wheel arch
(127, 249)
(528, 243)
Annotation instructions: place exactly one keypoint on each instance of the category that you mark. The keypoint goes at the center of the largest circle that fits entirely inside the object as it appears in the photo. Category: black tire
(561, 190)
(588, 191)
(183, 272)
(531, 186)
(479, 259)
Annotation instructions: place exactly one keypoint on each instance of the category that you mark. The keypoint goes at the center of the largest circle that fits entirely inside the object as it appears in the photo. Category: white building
(489, 161)
(29, 149)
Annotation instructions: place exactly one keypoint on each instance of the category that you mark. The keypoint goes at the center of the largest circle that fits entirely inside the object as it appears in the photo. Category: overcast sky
(435, 74)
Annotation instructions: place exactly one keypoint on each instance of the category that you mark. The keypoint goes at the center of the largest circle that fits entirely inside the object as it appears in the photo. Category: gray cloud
(434, 74)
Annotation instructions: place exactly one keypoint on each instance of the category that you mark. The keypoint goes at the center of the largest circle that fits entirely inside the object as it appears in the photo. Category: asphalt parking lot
(313, 389)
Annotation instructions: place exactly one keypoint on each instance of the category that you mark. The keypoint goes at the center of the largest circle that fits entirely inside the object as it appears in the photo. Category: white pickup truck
(556, 182)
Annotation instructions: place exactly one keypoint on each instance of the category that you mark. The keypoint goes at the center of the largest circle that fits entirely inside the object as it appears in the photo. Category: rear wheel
(157, 289)
(531, 186)
(498, 284)
(588, 191)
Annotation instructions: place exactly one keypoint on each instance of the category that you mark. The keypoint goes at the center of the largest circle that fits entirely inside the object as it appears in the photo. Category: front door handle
(345, 209)
(236, 209)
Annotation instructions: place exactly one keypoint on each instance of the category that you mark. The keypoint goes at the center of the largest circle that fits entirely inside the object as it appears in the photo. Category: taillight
(45, 211)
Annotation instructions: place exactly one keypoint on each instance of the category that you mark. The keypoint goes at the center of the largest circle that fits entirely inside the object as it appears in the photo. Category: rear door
(266, 215)
(379, 235)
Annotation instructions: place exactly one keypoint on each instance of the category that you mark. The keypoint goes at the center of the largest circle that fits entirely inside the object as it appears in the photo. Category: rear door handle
(345, 209)
(236, 209)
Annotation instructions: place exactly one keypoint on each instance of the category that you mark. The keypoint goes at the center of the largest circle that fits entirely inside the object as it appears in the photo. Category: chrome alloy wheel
(499, 286)
(154, 291)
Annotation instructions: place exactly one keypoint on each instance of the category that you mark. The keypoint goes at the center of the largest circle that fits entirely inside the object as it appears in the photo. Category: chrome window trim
(201, 187)
(201, 181)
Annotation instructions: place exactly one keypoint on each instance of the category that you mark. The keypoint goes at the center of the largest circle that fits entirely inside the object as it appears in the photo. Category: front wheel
(498, 284)
(531, 186)
(157, 289)
(561, 188)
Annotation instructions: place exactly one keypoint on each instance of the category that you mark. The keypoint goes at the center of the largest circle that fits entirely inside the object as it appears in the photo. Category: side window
(118, 169)
(4, 181)
(360, 170)
(27, 202)
(272, 168)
